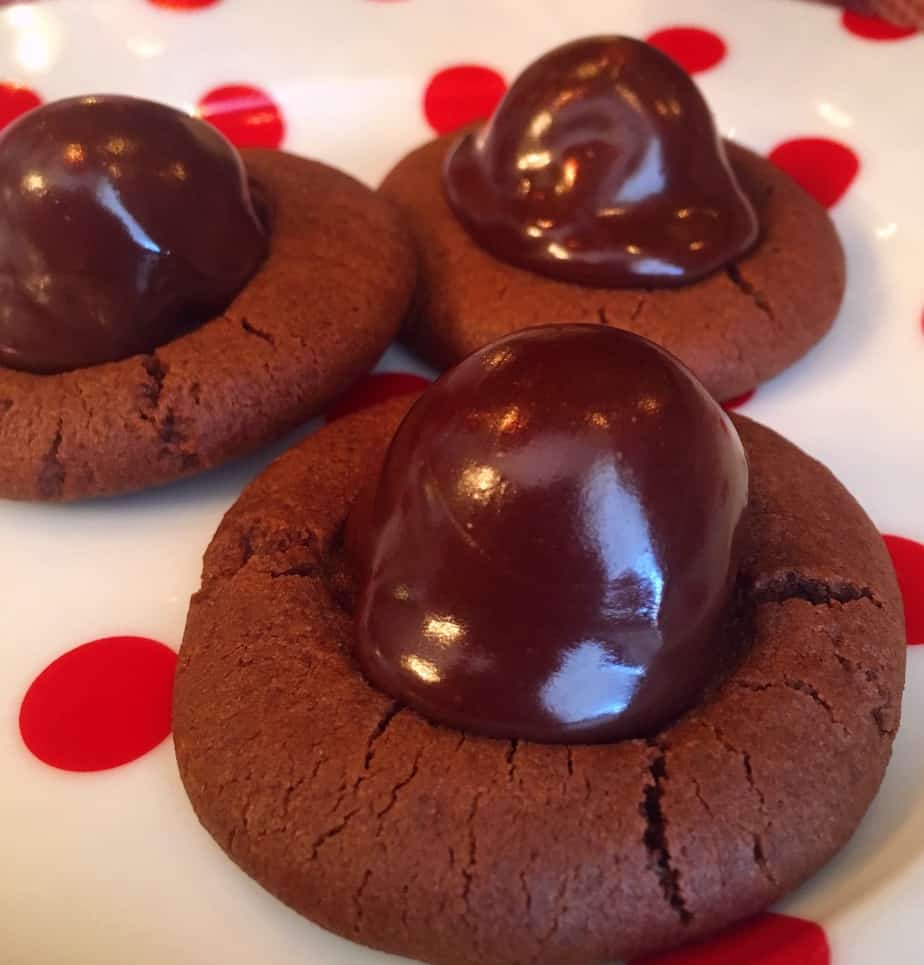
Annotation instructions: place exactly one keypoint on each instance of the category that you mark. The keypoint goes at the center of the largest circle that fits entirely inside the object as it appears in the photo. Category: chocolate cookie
(429, 842)
(317, 314)
(736, 328)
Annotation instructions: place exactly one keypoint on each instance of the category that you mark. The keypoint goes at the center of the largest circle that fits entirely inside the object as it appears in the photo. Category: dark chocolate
(602, 166)
(551, 548)
(122, 223)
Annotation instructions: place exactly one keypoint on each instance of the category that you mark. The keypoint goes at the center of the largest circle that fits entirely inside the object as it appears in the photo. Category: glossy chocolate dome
(122, 223)
(550, 552)
(602, 166)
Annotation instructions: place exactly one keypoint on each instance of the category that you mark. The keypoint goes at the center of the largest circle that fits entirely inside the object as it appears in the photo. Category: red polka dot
(738, 400)
(377, 387)
(694, 48)
(247, 116)
(764, 940)
(908, 560)
(16, 100)
(184, 4)
(100, 705)
(460, 95)
(872, 28)
(825, 168)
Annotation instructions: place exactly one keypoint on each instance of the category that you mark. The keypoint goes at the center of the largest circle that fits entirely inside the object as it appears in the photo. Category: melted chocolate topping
(122, 224)
(602, 166)
(551, 548)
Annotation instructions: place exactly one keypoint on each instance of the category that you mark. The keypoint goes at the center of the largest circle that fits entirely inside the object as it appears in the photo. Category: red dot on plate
(825, 168)
(184, 4)
(767, 939)
(374, 388)
(247, 116)
(908, 560)
(694, 48)
(15, 100)
(739, 400)
(100, 705)
(459, 95)
(872, 28)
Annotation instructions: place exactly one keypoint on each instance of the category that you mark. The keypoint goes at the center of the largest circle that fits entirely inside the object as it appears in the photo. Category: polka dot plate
(101, 858)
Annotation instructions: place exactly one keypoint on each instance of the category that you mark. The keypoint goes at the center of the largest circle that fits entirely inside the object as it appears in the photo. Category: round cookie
(734, 329)
(422, 840)
(316, 315)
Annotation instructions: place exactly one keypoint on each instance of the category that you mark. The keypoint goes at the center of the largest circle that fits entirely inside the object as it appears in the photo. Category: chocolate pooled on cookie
(599, 192)
(411, 626)
(168, 303)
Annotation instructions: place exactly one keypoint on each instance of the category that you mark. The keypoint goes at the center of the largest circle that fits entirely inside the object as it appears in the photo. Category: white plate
(111, 867)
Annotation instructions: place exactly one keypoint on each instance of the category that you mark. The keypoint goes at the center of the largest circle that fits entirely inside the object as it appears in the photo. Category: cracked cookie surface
(456, 849)
(734, 329)
(316, 315)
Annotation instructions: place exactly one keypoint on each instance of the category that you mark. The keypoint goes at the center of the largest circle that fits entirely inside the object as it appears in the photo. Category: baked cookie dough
(425, 841)
(317, 314)
(736, 328)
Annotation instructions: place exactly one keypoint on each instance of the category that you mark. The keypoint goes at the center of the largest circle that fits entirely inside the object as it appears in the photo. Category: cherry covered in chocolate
(602, 166)
(122, 223)
(550, 550)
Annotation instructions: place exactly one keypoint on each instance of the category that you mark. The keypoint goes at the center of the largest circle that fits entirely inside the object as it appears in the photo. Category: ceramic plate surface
(111, 866)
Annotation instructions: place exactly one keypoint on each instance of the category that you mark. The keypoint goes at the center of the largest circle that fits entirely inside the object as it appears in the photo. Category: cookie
(317, 314)
(736, 328)
(425, 841)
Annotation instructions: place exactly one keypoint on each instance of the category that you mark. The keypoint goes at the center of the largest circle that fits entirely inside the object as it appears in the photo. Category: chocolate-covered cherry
(602, 166)
(550, 551)
(122, 223)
